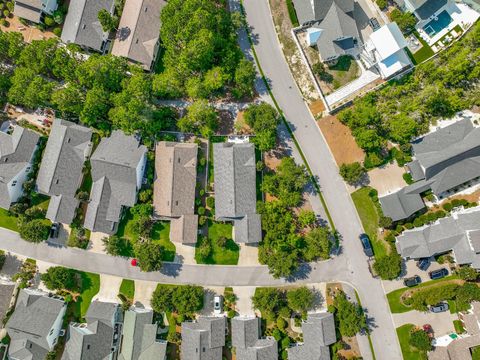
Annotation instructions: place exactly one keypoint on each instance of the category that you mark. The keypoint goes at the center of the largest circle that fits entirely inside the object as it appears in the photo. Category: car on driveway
(438, 274)
(441, 307)
(217, 304)
(412, 281)
(423, 264)
(54, 230)
(367, 246)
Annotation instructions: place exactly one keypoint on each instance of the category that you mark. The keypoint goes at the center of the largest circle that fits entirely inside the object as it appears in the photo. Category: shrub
(285, 312)
(382, 4)
(352, 173)
(6, 13)
(408, 178)
(201, 210)
(420, 340)
(418, 222)
(49, 21)
(390, 237)
(408, 226)
(204, 250)
(36, 230)
(385, 222)
(230, 313)
(388, 267)
(281, 323)
(277, 335)
(202, 220)
(221, 241)
(285, 343)
(210, 202)
(447, 207)
(202, 192)
(467, 273)
(372, 160)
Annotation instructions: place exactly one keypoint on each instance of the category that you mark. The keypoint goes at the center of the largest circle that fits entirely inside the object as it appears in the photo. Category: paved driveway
(143, 292)
(109, 288)
(442, 323)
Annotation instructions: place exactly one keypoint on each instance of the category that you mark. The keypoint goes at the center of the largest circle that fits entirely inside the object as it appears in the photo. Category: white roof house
(386, 49)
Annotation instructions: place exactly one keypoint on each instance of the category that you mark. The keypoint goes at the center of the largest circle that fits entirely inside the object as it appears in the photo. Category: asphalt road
(323, 166)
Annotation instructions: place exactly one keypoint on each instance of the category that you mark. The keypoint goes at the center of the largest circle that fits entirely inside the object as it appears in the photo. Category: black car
(441, 307)
(367, 246)
(423, 264)
(412, 281)
(373, 22)
(54, 230)
(438, 274)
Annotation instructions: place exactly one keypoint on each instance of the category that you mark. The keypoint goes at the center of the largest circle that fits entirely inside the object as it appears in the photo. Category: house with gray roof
(138, 33)
(139, 339)
(334, 24)
(459, 233)
(35, 325)
(61, 170)
(118, 165)
(16, 155)
(174, 189)
(82, 26)
(235, 190)
(98, 338)
(248, 343)
(7, 298)
(203, 339)
(424, 9)
(34, 10)
(445, 161)
(318, 333)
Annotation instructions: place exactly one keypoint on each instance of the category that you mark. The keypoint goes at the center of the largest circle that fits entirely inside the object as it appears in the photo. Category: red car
(134, 262)
(428, 329)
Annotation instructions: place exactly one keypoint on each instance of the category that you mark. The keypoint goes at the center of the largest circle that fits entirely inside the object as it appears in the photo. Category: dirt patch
(340, 141)
(317, 108)
(29, 33)
(241, 126)
(473, 197)
(299, 69)
(226, 121)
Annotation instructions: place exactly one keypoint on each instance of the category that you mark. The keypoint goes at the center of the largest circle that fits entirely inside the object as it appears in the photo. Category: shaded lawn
(394, 297)
(8, 221)
(227, 255)
(40, 200)
(160, 233)
(369, 216)
(127, 288)
(343, 72)
(409, 352)
(90, 286)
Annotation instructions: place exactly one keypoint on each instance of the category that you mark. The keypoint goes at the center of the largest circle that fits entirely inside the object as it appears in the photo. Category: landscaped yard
(409, 352)
(227, 255)
(90, 287)
(394, 297)
(160, 233)
(345, 71)
(423, 54)
(369, 216)
(7, 221)
(127, 288)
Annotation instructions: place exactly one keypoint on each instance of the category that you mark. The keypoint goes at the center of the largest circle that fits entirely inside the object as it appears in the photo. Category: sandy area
(340, 140)
(29, 32)
(387, 179)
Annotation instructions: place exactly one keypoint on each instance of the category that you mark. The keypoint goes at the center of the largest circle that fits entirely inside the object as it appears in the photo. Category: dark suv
(438, 274)
(367, 246)
(423, 264)
(412, 281)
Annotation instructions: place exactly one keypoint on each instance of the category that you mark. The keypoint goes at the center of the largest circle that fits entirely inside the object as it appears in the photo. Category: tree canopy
(183, 299)
(263, 119)
(350, 316)
(59, 278)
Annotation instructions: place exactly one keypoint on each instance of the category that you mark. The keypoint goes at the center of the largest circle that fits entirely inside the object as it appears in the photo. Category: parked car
(441, 307)
(218, 304)
(374, 24)
(367, 246)
(54, 230)
(438, 274)
(427, 328)
(412, 281)
(423, 264)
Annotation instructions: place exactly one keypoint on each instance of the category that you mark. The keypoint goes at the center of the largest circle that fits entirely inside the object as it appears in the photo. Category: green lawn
(452, 306)
(227, 255)
(396, 306)
(457, 324)
(7, 221)
(423, 54)
(127, 288)
(40, 200)
(160, 233)
(408, 352)
(90, 287)
(369, 216)
(476, 353)
(344, 71)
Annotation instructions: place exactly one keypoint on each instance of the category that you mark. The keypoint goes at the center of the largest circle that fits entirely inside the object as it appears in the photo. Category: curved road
(323, 166)
(350, 266)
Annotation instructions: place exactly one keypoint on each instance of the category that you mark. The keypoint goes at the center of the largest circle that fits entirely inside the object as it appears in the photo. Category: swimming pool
(438, 24)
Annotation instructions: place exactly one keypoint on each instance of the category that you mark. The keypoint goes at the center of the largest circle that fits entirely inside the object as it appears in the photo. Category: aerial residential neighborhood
(239, 179)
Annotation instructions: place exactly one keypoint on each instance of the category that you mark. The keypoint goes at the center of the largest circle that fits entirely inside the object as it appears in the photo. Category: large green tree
(36, 230)
(59, 278)
(350, 316)
(301, 299)
(149, 255)
(201, 118)
(263, 119)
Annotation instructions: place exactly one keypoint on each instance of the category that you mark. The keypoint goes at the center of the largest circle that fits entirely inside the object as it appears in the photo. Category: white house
(16, 155)
(386, 50)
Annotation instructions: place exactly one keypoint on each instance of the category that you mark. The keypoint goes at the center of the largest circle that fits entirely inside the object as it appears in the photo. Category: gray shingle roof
(28, 327)
(139, 337)
(82, 26)
(114, 174)
(184, 229)
(310, 11)
(450, 233)
(16, 153)
(6, 293)
(175, 178)
(235, 189)
(248, 346)
(28, 9)
(318, 334)
(401, 204)
(60, 172)
(203, 339)
(93, 340)
(139, 30)
(426, 9)
(339, 30)
(449, 156)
